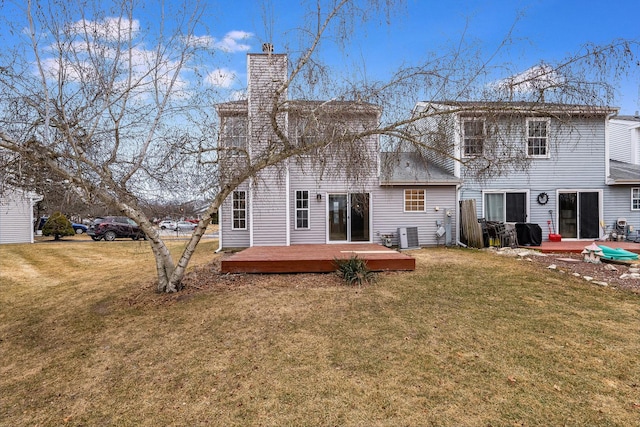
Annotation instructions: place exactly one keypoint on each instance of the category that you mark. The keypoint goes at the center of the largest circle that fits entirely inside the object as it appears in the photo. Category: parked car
(184, 226)
(167, 224)
(78, 228)
(111, 227)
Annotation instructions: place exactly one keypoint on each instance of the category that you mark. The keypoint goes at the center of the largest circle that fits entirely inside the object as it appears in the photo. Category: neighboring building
(16, 216)
(565, 185)
(336, 196)
(623, 176)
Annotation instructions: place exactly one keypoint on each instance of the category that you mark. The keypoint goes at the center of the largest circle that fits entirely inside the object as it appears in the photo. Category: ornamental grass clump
(354, 271)
(57, 226)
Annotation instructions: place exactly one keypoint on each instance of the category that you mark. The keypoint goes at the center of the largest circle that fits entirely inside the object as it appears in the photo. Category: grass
(467, 339)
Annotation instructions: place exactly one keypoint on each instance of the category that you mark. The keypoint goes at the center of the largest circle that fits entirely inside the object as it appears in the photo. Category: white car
(167, 224)
(185, 226)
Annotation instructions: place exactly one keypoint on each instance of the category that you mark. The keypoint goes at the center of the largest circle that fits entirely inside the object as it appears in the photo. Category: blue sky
(546, 30)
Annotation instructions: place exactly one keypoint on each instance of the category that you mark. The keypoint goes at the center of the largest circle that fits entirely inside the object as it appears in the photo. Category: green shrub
(57, 226)
(354, 271)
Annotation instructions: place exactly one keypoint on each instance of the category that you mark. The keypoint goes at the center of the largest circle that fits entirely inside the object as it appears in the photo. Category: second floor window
(304, 131)
(234, 132)
(538, 138)
(473, 135)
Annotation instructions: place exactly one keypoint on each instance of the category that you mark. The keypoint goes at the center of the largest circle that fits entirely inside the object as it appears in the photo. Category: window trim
(482, 137)
(415, 191)
(305, 128)
(527, 200)
(529, 137)
(227, 137)
(242, 210)
(303, 209)
(635, 198)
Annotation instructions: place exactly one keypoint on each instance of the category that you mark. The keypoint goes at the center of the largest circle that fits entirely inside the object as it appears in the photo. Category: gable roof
(519, 107)
(410, 168)
(301, 105)
(623, 173)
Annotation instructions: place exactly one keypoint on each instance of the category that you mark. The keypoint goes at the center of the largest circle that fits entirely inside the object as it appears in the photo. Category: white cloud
(221, 77)
(534, 79)
(231, 42)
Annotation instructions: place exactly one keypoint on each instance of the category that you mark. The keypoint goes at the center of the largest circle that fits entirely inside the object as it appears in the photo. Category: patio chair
(505, 235)
(632, 235)
(608, 233)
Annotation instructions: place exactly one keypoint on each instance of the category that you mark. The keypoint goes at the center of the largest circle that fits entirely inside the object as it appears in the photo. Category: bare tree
(102, 104)
(92, 102)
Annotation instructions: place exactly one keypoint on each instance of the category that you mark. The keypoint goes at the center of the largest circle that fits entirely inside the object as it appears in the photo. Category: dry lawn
(468, 339)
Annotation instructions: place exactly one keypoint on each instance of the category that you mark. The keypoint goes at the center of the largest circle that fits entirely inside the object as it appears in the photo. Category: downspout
(457, 150)
(457, 237)
(33, 199)
(607, 148)
(250, 201)
(287, 216)
(220, 229)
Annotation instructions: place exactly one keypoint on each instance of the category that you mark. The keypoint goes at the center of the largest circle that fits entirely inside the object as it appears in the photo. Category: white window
(538, 137)
(239, 210)
(414, 200)
(505, 206)
(305, 131)
(302, 209)
(234, 133)
(473, 136)
(635, 199)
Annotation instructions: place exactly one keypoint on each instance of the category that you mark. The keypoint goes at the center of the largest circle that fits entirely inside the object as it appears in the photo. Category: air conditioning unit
(408, 238)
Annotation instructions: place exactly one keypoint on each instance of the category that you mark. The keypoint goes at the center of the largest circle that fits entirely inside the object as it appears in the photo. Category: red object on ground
(554, 237)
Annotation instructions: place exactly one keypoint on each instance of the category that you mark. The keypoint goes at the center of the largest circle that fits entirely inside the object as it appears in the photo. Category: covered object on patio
(313, 258)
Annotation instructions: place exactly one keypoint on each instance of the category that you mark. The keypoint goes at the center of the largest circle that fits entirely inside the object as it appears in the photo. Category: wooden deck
(576, 246)
(313, 258)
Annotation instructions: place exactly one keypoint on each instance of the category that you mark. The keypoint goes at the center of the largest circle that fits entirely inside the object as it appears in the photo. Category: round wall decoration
(543, 198)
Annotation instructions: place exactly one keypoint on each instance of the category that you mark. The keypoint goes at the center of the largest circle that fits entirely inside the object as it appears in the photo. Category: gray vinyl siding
(304, 176)
(233, 238)
(620, 141)
(16, 218)
(389, 212)
(438, 132)
(617, 201)
(577, 162)
(269, 213)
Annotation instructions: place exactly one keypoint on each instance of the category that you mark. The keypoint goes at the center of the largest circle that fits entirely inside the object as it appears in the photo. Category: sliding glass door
(348, 217)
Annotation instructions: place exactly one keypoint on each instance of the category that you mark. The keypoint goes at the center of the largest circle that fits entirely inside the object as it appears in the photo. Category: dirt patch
(208, 279)
(574, 264)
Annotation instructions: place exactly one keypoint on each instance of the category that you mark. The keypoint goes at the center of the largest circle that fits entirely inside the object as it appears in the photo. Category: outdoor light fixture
(319, 197)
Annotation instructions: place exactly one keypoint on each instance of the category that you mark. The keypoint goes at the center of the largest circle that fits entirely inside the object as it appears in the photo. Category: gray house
(623, 176)
(16, 216)
(565, 182)
(349, 192)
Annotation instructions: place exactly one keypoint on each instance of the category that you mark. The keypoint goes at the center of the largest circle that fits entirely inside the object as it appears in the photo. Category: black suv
(111, 227)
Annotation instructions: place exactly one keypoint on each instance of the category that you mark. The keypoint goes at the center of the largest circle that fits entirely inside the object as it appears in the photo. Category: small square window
(414, 200)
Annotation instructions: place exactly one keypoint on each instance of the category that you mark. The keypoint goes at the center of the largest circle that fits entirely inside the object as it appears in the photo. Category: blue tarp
(617, 254)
